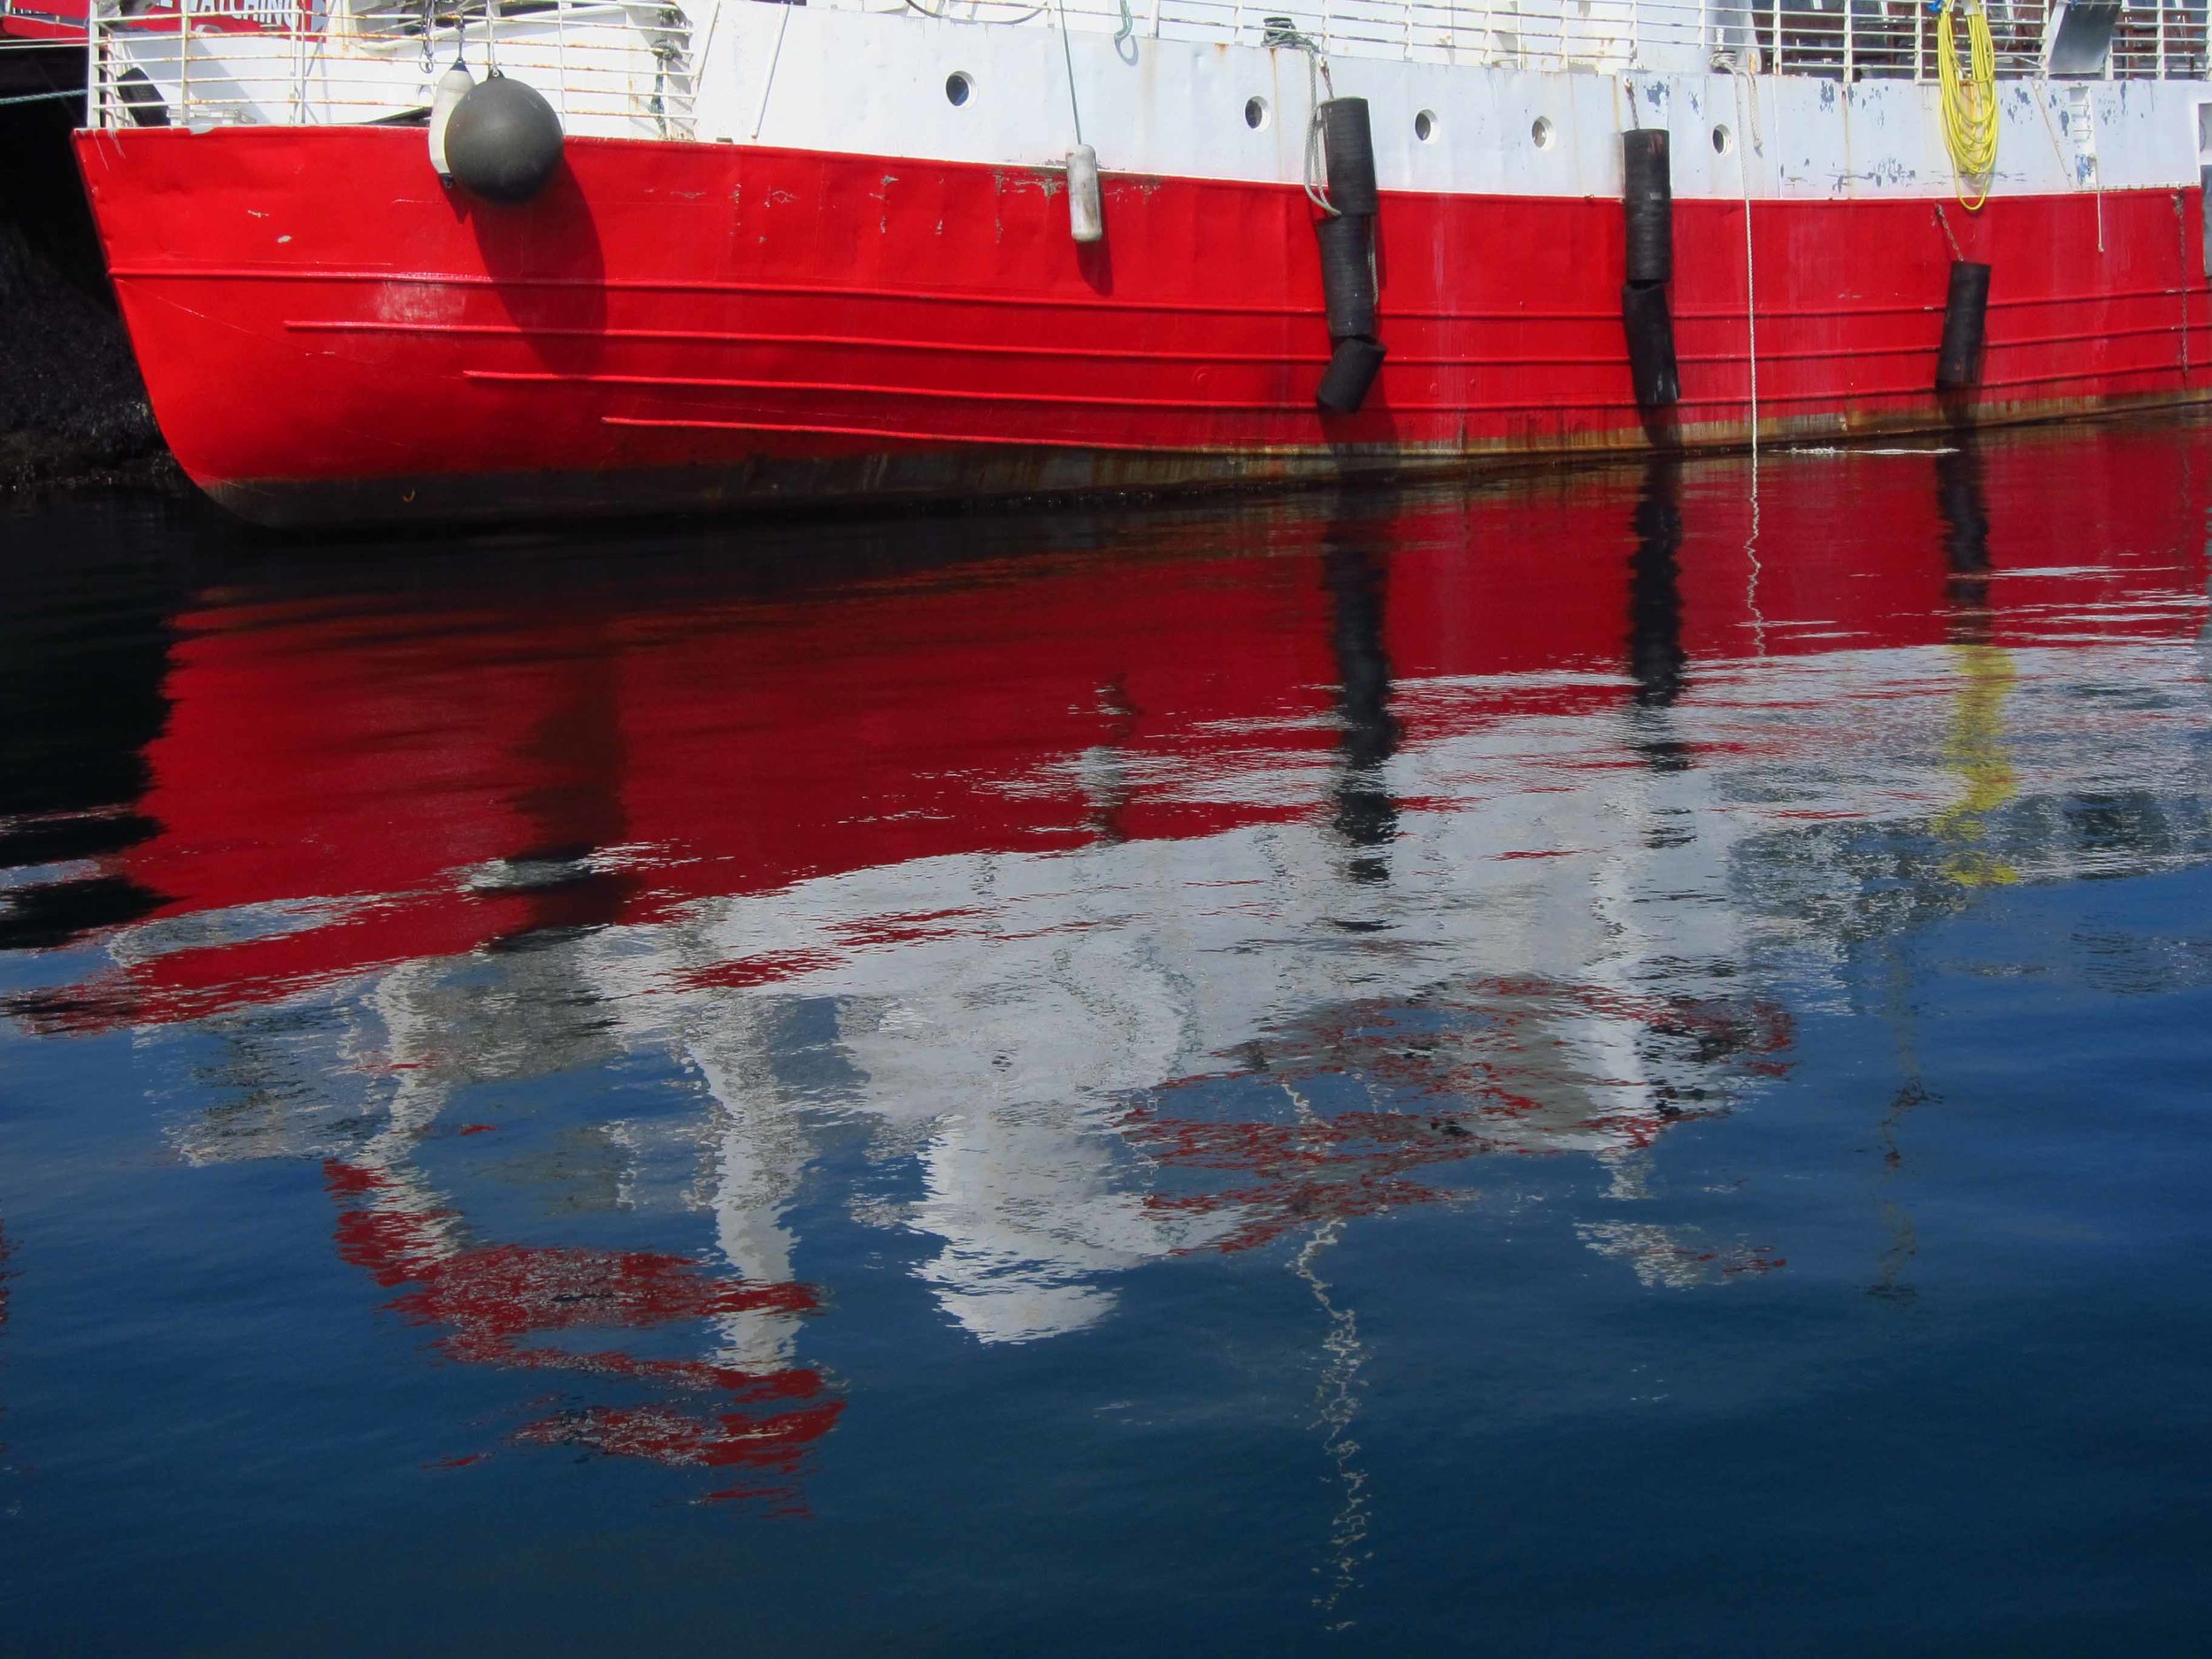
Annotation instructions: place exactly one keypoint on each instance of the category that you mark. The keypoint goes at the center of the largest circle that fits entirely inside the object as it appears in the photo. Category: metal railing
(1844, 40)
(627, 67)
(1532, 34)
(1897, 39)
(2165, 42)
(610, 67)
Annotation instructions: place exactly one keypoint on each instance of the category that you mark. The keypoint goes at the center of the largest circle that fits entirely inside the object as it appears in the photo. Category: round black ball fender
(503, 141)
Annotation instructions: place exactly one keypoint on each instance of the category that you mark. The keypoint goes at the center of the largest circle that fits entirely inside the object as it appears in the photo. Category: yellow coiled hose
(1969, 100)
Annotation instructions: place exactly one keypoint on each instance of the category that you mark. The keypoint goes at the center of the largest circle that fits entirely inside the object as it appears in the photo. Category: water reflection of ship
(1355, 573)
(765, 739)
(82, 654)
(1977, 751)
(619, 1319)
(1657, 664)
(742, 1404)
(1066, 887)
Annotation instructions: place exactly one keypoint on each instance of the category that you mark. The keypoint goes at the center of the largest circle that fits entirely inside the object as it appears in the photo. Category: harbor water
(1606, 1061)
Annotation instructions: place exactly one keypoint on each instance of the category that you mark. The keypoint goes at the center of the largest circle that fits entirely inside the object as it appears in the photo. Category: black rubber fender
(1351, 373)
(1347, 273)
(1965, 311)
(503, 140)
(1650, 328)
(1349, 140)
(1648, 195)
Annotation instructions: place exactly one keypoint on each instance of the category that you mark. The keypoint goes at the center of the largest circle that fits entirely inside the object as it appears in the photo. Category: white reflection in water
(1568, 949)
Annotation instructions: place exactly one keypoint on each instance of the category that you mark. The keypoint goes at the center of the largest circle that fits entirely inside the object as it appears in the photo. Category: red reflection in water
(1476, 1064)
(742, 972)
(1352, 1164)
(492, 1301)
(362, 767)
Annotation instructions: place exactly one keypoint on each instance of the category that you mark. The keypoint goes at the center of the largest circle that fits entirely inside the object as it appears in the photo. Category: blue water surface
(1546, 1068)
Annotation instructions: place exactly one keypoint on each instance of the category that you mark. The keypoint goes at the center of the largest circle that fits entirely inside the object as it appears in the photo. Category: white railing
(1532, 34)
(2161, 43)
(613, 67)
(1876, 39)
(1852, 40)
(627, 67)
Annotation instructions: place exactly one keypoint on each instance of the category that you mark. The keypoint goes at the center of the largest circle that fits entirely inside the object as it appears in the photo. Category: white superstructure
(1526, 98)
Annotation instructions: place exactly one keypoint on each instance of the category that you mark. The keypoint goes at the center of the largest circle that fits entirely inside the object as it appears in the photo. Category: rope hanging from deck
(1970, 101)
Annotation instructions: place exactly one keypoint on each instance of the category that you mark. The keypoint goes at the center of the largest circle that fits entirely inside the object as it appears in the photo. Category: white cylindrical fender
(1086, 220)
(453, 86)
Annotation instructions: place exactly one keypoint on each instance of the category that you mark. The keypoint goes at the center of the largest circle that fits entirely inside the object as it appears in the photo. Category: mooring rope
(1744, 134)
(916, 6)
(760, 115)
(1317, 80)
(1067, 51)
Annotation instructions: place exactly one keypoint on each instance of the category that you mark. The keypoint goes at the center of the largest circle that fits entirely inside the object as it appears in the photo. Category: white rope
(2096, 165)
(1067, 51)
(760, 115)
(2181, 236)
(1747, 133)
(1316, 181)
(1750, 291)
(1034, 12)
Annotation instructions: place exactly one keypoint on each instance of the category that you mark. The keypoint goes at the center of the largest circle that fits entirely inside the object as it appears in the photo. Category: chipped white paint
(857, 78)
(874, 84)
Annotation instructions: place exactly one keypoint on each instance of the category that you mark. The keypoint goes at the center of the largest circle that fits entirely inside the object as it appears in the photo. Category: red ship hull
(61, 22)
(326, 332)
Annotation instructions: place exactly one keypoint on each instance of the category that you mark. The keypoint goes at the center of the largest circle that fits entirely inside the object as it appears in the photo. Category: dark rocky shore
(72, 408)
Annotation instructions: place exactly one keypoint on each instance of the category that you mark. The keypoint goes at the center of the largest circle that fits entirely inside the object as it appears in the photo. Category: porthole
(1425, 126)
(958, 88)
(1723, 140)
(1256, 114)
(1544, 133)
